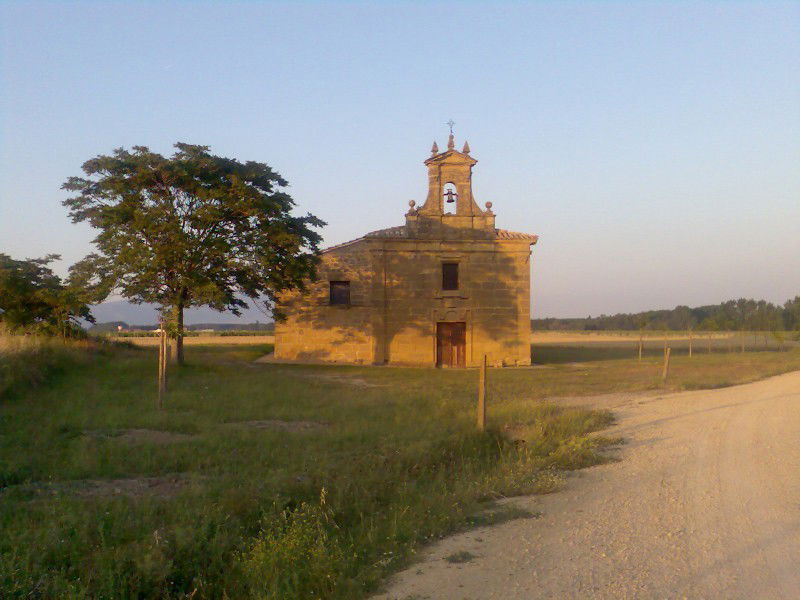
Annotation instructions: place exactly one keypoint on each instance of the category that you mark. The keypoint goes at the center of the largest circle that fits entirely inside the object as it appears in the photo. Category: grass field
(28, 360)
(723, 340)
(288, 481)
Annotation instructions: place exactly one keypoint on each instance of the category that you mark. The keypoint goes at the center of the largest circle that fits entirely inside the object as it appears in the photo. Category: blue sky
(654, 147)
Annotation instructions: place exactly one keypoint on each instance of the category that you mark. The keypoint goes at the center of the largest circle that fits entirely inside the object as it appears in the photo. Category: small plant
(460, 557)
(296, 555)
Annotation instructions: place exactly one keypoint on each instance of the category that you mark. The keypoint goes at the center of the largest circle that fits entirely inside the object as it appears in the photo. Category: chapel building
(442, 290)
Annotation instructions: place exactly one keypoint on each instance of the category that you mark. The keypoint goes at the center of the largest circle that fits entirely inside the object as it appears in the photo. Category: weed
(460, 557)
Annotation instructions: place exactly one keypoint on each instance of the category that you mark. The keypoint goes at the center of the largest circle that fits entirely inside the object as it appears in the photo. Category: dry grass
(206, 340)
(28, 360)
(594, 337)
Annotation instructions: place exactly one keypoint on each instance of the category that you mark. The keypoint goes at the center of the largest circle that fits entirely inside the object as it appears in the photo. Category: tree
(710, 325)
(791, 315)
(34, 299)
(192, 229)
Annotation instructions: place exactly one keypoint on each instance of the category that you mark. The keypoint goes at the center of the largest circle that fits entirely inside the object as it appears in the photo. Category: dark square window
(340, 293)
(449, 276)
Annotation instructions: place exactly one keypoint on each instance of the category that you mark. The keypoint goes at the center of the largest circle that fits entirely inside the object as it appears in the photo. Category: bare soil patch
(339, 378)
(164, 486)
(347, 380)
(141, 436)
(278, 425)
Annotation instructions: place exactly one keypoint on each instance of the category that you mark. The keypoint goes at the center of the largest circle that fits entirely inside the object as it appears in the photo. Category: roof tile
(402, 232)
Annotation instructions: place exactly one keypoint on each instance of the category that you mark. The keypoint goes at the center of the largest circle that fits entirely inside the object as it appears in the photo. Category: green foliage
(296, 555)
(193, 229)
(791, 314)
(34, 299)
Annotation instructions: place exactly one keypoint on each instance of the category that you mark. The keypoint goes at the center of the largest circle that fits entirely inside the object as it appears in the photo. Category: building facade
(442, 290)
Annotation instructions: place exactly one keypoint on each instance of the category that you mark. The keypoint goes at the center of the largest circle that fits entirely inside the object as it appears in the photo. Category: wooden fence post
(640, 345)
(665, 374)
(690, 343)
(482, 395)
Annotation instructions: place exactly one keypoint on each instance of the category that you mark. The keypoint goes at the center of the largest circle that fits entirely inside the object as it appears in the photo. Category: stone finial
(465, 150)
(411, 203)
(489, 207)
(435, 148)
(451, 143)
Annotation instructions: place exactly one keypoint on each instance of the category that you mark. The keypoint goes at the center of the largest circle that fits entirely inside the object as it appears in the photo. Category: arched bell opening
(449, 198)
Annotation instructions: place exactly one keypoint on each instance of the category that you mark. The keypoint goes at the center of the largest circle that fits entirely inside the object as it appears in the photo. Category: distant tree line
(733, 315)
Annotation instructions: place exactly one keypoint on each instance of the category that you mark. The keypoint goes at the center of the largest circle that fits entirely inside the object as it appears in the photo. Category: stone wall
(314, 331)
(397, 300)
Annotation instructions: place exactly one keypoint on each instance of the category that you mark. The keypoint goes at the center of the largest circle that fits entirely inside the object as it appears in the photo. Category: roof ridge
(400, 231)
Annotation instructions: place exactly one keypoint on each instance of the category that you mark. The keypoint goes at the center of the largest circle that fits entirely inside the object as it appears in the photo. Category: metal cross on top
(450, 124)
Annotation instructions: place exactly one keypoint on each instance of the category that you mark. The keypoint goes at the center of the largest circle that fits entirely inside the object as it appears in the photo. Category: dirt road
(705, 503)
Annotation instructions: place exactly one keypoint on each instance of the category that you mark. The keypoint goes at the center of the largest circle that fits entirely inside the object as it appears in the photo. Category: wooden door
(451, 344)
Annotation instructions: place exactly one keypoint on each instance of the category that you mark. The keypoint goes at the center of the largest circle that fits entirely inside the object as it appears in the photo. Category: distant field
(206, 340)
(652, 341)
(594, 337)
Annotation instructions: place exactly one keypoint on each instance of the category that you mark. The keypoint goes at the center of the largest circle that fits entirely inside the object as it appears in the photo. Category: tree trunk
(179, 334)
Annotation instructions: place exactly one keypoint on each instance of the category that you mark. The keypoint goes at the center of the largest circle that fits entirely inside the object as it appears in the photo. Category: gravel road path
(705, 503)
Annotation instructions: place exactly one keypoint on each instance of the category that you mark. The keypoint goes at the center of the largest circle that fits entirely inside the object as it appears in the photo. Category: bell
(450, 196)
